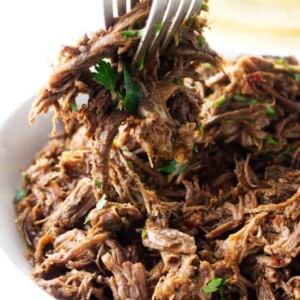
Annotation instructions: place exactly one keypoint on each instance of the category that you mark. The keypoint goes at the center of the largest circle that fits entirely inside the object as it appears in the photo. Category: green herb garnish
(178, 81)
(141, 63)
(190, 22)
(201, 41)
(213, 286)
(169, 168)
(252, 102)
(20, 194)
(25, 178)
(207, 65)
(220, 101)
(74, 107)
(106, 75)
(205, 7)
(144, 234)
(196, 148)
(280, 61)
(158, 26)
(133, 93)
(297, 77)
(87, 218)
(102, 202)
(239, 98)
(98, 184)
(229, 122)
(129, 164)
(132, 33)
(200, 128)
(271, 141)
(270, 111)
(124, 148)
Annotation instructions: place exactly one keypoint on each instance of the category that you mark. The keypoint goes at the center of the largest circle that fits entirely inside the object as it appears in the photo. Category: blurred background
(255, 27)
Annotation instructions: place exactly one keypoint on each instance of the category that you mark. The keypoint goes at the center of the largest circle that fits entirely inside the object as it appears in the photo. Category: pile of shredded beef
(193, 196)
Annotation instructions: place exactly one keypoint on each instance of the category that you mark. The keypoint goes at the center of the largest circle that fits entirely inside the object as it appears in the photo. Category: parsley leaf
(133, 93)
(144, 234)
(131, 33)
(196, 148)
(201, 41)
(158, 26)
(141, 63)
(87, 219)
(20, 194)
(101, 203)
(98, 184)
(106, 75)
(205, 7)
(220, 101)
(200, 128)
(169, 168)
(213, 285)
(239, 98)
(271, 141)
(229, 122)
(25, 178)
(129, 164)
(252, 102)
(270, 111)
(74, 107)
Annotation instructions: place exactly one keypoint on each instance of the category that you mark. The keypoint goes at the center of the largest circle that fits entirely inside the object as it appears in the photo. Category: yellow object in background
(255, 27)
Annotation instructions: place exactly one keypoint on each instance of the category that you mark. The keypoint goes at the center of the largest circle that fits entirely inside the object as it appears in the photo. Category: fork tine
(107, 11)
(167, 20)
(132, 3)
(156, 14)
(177, 21)
(121, 7)
(195, 8)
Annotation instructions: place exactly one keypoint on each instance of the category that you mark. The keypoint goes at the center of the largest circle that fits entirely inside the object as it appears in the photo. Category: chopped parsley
(144, 234)
(101, 203)
(129, 164)
(190, 22)
(169, 168)
(124, 148)
(132, 33)
(141, 63)
(229, 122)
(220, 101)
(74, 107)
(158, 26)
(215, 285)
(106, 75)
(270, 111)
(205, 7)
(200, 128)
(25, 177)
(178, 81)
(271, 141)
(239, 98)
(133, 93)
(20, 194)
(252, 102)
(207, 65)
(201, 41)
(98, 184)
(87, 219)
(280, 61)
(196, 148)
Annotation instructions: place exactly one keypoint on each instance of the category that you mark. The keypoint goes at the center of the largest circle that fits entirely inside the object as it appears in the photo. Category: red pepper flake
(277, 220)
(254, 78)
(275, 260)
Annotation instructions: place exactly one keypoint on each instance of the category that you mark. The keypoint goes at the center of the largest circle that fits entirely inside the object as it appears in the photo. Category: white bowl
(19, 143)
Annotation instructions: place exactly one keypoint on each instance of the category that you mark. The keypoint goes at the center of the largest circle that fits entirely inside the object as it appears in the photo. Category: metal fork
(165, 18)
